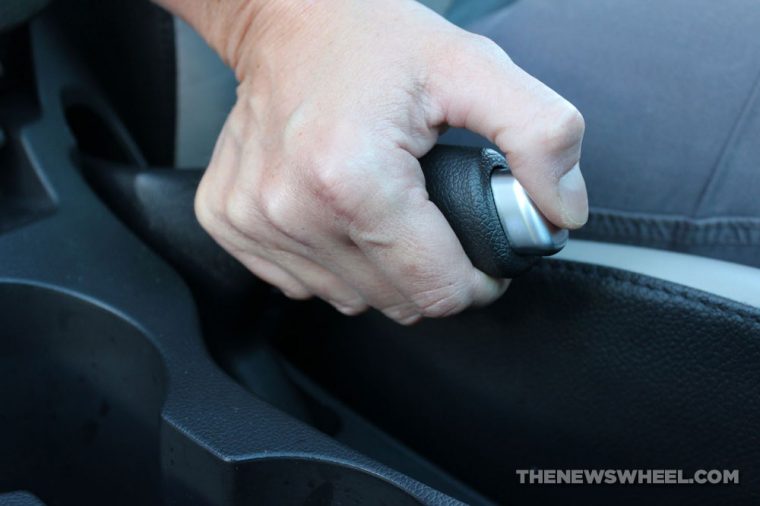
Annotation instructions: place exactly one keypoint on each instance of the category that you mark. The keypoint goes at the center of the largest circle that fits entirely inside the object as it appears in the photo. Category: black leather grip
(458, 181)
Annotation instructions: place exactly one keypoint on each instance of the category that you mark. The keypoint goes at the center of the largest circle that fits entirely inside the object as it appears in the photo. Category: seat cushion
(670, 95)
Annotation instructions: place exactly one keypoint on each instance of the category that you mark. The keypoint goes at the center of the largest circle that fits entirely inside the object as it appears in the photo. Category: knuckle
(474, 53)
(238, 210)
(563, 127)
(346, 198)
(332, 186)
(490, 54)
(485, 45)
(256, 212)
(277, 207)
(208, 212)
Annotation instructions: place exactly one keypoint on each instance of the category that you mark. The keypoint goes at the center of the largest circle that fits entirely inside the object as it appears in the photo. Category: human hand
(314, 184)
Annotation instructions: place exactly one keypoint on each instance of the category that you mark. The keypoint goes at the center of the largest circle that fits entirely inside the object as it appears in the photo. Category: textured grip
(458, 181)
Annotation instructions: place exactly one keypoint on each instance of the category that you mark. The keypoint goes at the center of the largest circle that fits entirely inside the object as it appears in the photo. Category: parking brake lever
(499, 227)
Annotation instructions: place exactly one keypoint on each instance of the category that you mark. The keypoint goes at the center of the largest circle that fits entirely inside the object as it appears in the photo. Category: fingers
(374, 286)
(539, 131)
(411, 243)
(391, 248)
(296, 276)
(323, 283)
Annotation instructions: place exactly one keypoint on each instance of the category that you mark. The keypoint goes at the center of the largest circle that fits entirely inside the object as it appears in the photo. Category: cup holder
(81, 400)
(81, 403)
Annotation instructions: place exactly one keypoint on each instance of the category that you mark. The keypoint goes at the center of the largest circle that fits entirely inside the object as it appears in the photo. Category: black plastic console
(139, 364)
(108, 393)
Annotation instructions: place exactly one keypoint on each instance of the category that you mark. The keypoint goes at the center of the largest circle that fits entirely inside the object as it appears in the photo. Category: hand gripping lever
(500, 228)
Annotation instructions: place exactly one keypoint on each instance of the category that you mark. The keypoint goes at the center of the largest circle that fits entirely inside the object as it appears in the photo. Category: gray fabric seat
(671, 97)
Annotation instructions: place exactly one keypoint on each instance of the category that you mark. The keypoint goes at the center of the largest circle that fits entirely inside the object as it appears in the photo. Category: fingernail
(573, 198)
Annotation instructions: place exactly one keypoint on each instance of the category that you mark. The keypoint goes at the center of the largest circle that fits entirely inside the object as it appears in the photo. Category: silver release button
(528, 231)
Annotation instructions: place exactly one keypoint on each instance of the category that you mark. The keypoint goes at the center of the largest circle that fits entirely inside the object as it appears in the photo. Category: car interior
(140, 364)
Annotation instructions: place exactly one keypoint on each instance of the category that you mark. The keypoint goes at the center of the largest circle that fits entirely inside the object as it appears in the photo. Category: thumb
(479, 88)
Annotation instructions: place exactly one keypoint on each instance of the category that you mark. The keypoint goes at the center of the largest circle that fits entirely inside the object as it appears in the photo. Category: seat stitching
(631, 279)
(736, 129)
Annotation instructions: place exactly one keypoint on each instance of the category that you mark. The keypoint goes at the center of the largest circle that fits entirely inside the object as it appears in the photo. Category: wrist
(230, 26)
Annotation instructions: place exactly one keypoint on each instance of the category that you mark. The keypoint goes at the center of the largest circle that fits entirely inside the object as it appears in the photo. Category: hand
(314, 184)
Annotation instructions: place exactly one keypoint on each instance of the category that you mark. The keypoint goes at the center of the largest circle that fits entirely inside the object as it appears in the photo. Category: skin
(314, 184)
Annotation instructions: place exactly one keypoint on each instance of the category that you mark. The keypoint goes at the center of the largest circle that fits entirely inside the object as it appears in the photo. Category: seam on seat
(708, 301)
(674, 230)
(725, 151)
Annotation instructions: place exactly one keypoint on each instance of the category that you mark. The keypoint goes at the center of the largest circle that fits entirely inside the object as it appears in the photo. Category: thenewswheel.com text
(627, 477)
